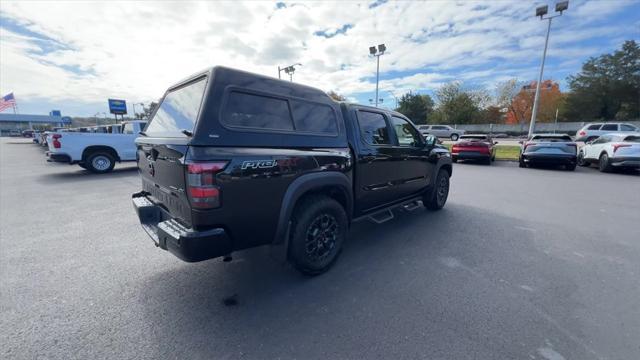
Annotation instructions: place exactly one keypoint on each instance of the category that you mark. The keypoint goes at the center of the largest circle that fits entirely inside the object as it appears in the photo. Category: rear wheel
(604, 164)
(437, 197)
(570, 167)
(454, 137)
(100, 162)
(319, 228)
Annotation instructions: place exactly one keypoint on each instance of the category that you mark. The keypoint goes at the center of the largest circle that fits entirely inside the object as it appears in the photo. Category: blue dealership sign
(117, 106)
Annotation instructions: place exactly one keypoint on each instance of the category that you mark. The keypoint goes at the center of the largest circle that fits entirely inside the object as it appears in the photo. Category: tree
(506, 92)
(457, 105)
(335, 96)
(416, 107)
(148, 110)
(521, 106)
(607, 87)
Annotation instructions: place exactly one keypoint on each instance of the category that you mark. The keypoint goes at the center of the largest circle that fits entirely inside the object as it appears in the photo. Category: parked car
(551, 149)
(612, 151)
(27, 133)
(96, 152)
(233, 160)
(474, 147)
(441, 131)
(592, 131)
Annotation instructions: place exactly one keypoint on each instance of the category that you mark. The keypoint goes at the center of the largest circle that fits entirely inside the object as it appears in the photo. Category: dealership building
(19, 122)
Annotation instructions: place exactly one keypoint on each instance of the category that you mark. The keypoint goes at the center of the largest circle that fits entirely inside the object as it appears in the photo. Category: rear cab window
(177, 114)
(249, 111)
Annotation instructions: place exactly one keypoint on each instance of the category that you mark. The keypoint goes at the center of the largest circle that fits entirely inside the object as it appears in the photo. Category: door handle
(368, 157)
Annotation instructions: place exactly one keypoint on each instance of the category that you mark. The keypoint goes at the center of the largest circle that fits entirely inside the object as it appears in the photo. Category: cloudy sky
(74, 55)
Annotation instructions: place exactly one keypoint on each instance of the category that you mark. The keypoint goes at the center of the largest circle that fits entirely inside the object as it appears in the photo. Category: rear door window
(609, 127)
(373, 128)
(246, 110)
(178, 111)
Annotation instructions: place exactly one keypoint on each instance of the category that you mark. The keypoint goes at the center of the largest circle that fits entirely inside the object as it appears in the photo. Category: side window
(314, 118)
(609, 127)
(407, 135)
(373, 128)
(128, 128)
(627, 127)
(594, 127)
(256, 111)
(437, 127)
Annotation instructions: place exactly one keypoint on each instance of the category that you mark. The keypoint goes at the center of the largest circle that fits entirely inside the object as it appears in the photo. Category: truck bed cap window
(178, 111)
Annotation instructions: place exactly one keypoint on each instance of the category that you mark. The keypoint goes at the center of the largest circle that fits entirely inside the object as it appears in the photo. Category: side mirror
(430, 140)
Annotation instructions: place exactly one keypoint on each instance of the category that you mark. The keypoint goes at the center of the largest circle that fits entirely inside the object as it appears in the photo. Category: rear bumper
(470, 155)
(58, 157)
(186, 243)
(626, 161)
(549, 158)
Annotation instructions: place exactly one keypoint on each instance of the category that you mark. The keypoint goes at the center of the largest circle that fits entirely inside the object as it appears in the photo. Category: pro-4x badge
(259, 164)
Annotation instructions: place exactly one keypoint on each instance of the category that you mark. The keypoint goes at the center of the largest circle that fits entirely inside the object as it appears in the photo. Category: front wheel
(319, 228)
(100, 162)
(521, 163)
(454, 137)
(581, 160)
(437, 197)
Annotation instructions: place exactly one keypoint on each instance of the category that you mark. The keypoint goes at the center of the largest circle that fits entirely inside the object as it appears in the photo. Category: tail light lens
(56, 141)
(201, 184)
(617, 146)
(582, 133)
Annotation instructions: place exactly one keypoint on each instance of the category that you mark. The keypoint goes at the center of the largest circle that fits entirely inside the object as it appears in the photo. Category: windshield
(178, 111)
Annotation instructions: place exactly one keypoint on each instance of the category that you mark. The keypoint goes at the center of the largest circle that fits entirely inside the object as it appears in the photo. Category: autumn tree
(521, 107)
(416, 107)
(335, 96)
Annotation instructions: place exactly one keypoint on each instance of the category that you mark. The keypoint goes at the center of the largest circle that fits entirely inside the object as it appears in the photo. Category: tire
(454, 159)
(604, 164)
(521, 163)
(319, 228)
(570, 167)
(454, 137)
(437, 197)
(100, 162)
(581, 160)
(487, 161)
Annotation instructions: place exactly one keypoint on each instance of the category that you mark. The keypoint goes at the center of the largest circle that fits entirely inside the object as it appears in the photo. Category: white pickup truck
(96, 152)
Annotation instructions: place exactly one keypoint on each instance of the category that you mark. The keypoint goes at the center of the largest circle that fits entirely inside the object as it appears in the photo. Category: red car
(474, 147)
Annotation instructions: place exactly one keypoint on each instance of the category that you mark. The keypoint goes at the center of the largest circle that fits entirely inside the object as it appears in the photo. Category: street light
(394, 96)
(377, 53)
(289, 70)
(541, 11)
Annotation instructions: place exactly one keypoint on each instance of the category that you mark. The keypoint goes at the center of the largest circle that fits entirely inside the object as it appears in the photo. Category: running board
(381, 217)
(411, 206)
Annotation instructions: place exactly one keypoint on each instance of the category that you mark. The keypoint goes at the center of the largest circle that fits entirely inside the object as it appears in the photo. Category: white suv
(593, 130)
(441, 131)
(612, 151)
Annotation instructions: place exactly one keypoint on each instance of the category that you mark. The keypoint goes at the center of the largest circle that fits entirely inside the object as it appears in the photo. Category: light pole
(395, 97)
(377, 52)
(289, 70)
(541, 12)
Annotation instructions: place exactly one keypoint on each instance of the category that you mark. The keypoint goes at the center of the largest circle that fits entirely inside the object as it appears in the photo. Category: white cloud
(135, 50)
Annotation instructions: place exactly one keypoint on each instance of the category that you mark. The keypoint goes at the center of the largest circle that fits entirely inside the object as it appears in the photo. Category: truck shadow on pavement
(76, 173)
(421, 277)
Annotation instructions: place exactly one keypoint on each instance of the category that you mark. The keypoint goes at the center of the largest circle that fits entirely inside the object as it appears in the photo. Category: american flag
(7, 101)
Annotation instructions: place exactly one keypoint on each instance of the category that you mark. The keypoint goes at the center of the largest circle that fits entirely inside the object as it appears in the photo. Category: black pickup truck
(232, 160)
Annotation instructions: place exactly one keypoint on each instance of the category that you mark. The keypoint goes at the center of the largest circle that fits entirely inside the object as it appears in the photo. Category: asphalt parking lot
(521, 264)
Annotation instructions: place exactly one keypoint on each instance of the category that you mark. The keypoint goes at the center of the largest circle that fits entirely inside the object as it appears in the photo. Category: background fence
(517, 129)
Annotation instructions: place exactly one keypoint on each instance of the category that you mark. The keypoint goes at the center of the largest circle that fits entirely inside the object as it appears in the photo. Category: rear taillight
(582, 133)
(56, 141)
(617, 146)
(201, 184)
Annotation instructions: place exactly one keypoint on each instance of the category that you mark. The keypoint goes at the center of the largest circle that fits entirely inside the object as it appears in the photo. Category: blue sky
(73, 56)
